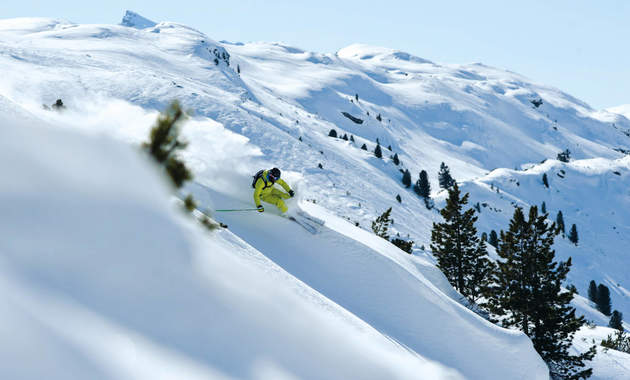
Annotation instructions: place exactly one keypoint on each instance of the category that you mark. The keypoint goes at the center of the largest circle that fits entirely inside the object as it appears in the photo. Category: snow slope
(278, 111)
(621, 110)
(610, 364)
(388, 289)
(117, 284)
(591, 193)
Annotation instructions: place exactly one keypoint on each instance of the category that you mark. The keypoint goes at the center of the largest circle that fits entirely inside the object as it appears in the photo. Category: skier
(263, 185)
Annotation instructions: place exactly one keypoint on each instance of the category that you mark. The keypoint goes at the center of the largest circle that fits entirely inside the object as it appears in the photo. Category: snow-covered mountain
(351, 296)
(622, 110)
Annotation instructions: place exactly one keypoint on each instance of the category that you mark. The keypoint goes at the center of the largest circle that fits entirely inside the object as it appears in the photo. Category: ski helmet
(275, 173)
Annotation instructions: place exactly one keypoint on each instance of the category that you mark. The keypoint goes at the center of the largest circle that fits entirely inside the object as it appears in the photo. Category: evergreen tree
(378, 152)
(592, 291)
(165, 144)
(543, 207)
(189, 203)
(527, 294)
(460, 254)
(396, 159)
(444, 177)
(494, 239)
(603, 299)
(332, 133)
(615, 320)
(484, 236)
(238, 68)
(406, 178)
(404, 245)
(58, 105)
(423, 187)
(564, 156)
(478, 207)
(381, 225)
(352, 138)
(378, 117)
(573, 235)
(356, 97)
(345, 137)
(560, 222)
(364, 147)
(545, 181)
(398, 198)
(389, 147)
(620, 342)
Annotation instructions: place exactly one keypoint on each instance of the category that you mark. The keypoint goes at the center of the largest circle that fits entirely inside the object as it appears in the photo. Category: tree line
(523, 289)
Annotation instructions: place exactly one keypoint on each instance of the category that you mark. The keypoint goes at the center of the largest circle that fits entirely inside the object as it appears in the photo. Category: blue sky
(579, 46)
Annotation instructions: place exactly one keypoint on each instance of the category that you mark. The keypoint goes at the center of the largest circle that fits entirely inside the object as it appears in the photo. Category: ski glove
(291, 193)
(260, 208)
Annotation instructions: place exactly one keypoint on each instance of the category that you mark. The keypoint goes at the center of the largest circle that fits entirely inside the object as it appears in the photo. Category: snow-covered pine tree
(564, 156)
(527, 294)
(560, 222)
(378, 152)
(380, 226)
(423, 187)
(444, 177)
(592, 291)
(406, 178)
(405, 245)
(345, 137)
(395, 159)
(460, 254)
(603, 299)
(573, 235)
(190, 204)
(615, 320)
(545, 180)
(493, 240)
(164, 144)
(364, 147)
(481, 272)
(619, 341)
(58, 105)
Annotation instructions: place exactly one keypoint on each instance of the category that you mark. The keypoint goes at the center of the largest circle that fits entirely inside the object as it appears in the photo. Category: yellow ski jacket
(263, 187)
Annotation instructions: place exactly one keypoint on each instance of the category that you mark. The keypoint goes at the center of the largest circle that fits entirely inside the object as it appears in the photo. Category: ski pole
(237, 209)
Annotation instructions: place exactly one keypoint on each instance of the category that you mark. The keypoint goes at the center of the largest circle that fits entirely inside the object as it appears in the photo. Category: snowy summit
(134, 20)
